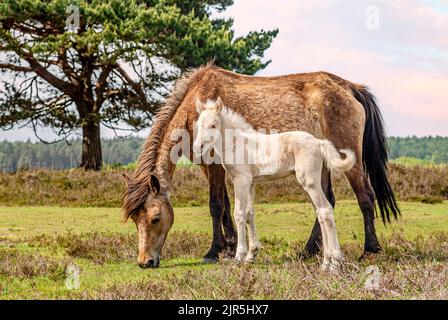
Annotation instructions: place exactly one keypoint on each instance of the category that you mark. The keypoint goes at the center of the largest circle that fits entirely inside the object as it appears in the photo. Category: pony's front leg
(242, 189)
(254, 243)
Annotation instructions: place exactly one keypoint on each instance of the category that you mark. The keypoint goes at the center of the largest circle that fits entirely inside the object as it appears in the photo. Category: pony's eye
(214, 125)
(156, 220)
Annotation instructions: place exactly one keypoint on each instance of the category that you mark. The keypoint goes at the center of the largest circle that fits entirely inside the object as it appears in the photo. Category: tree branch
(13, 67)
(66, 68)
(136, 86)
(36, 67)
(101, 84)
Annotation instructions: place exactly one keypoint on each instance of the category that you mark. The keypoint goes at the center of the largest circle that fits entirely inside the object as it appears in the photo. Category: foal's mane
(236, 119)
(137, 189)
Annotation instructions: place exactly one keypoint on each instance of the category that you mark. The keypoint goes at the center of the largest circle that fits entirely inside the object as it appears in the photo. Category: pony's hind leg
(366, 200)
(254, 243)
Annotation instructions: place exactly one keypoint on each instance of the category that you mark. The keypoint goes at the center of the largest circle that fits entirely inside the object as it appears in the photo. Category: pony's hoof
(209, 260)
(229, 254)
(305, 254)
(368, 256)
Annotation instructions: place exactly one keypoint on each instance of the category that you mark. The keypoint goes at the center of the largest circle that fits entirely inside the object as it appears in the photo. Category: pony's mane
(148, 156)
(137, 189)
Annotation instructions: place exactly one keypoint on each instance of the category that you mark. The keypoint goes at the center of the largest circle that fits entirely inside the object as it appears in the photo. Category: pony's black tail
(375, 153)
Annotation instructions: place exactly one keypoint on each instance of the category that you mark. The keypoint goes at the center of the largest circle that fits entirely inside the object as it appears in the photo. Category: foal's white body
(269, 157)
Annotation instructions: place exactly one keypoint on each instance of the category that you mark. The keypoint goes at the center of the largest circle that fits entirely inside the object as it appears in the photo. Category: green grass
(410, 161)
(95, 240)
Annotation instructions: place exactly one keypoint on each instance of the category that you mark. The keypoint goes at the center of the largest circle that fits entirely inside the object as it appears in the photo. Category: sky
(399, 48)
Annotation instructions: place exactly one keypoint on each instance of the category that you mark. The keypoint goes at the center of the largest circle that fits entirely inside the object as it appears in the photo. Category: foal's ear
(199, 105)
(154, 184)
(127, 179)
(219, 104)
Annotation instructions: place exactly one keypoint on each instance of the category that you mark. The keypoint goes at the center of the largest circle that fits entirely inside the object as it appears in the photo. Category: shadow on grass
(182, 264)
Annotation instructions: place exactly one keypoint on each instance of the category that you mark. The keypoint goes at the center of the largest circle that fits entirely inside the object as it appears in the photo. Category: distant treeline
(434, 149)
(122, 151)
(64, 155)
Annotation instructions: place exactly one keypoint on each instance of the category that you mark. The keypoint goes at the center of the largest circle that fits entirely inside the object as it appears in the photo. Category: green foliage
(114, 68)
(409, 161)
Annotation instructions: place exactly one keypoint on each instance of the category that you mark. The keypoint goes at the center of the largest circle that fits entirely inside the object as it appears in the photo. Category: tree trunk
(91, 146)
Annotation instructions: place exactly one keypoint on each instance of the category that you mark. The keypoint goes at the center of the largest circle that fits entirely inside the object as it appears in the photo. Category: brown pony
(319, 103)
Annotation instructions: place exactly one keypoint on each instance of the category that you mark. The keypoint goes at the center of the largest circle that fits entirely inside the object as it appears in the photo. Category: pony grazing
(251, 157)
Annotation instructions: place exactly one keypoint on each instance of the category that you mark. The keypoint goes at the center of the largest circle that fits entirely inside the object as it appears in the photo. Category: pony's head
(209, 124)
(147, 204)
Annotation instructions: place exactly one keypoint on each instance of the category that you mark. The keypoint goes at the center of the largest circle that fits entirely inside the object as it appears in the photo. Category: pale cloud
(404, 62)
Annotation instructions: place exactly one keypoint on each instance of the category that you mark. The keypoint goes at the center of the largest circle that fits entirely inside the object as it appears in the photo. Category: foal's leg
(254, 243)
(314, 242)
(242, 189)
(308, 174)
(325, 216)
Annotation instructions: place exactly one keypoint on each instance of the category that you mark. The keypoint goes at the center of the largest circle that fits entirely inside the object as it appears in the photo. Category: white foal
(251, 157)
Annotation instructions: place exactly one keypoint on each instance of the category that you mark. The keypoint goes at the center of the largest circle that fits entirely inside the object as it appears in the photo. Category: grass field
(37, 244)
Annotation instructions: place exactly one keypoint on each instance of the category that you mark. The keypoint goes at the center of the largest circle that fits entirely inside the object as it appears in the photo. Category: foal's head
(209, 124)
(147, 204)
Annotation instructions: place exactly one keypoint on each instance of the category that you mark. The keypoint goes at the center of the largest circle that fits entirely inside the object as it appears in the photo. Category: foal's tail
(333, 158)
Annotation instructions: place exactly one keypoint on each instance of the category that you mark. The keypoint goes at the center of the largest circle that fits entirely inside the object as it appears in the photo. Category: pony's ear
(127, 179)
(154, 184)
(199, 105)
(219, 104)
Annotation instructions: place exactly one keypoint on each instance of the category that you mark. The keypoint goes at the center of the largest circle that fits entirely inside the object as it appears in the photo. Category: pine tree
(76, 64)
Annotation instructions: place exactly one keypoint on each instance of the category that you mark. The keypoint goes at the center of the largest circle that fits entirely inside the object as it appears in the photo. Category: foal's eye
(156, 220)
(213, 125)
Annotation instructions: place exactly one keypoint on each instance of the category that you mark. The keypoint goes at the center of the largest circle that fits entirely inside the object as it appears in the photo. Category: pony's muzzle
(151, 263)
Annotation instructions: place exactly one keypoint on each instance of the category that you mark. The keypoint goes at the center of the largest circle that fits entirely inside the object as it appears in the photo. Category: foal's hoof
(240, 258)
(332, 266)
(249, 260)
(209, 260)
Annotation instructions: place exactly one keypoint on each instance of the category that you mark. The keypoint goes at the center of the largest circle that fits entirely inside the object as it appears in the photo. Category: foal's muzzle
(151, 263)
